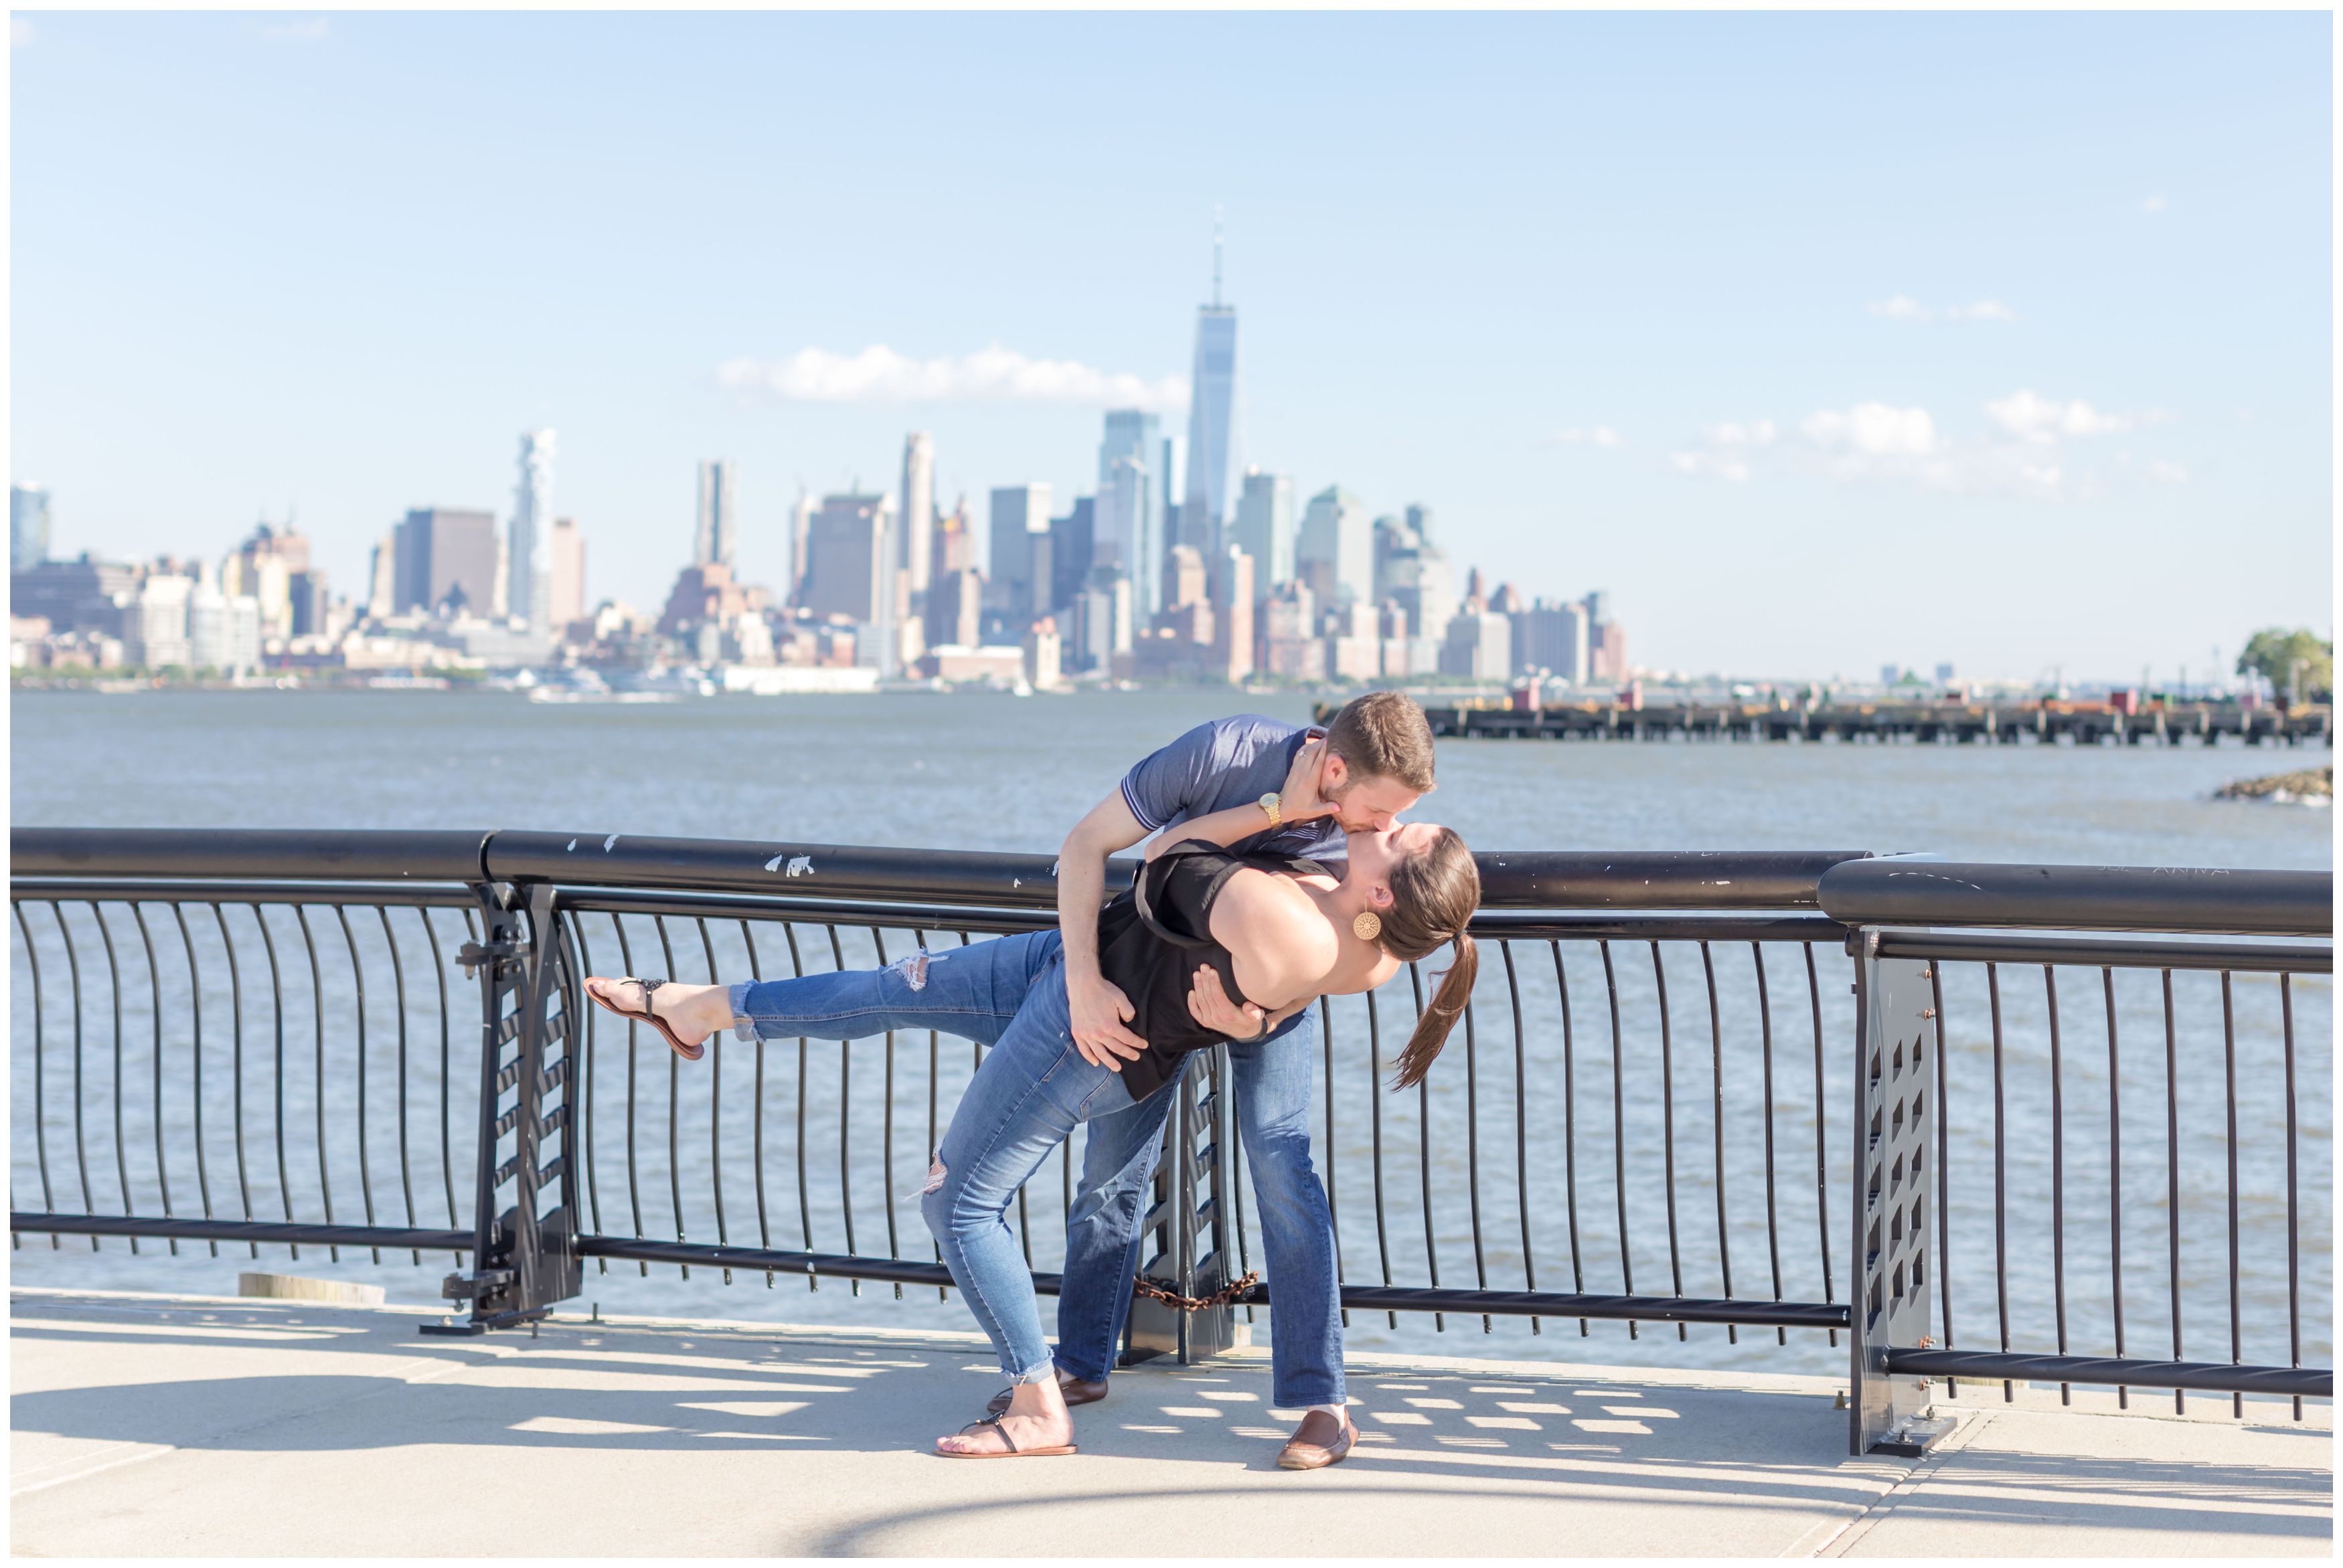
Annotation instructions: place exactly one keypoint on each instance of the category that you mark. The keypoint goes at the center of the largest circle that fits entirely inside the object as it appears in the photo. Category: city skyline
(2019, 348)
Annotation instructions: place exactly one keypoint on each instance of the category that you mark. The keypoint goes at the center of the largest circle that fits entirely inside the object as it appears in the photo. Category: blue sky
(1820, 340)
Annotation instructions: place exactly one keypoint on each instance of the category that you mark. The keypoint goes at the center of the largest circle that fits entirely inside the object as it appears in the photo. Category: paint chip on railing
(571, 845)
(609, 842)
(800, 866)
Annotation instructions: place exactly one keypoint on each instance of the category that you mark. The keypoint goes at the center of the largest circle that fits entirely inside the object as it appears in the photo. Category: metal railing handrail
(2201, 902)
(1591, 879)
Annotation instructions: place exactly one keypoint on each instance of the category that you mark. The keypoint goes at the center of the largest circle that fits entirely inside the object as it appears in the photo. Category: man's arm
(1098, 1007)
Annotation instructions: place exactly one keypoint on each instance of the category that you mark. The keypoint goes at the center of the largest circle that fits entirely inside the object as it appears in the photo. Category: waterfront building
(1171, 471)
(1019, 514)
(955, 607)
(445, 561)
(1290, 646)
(1552, 639)
(1126, 534)
(953, 546)
(847, 557)
(155, 623)
(1606, 655)
(382, 578)
(1335, 551)
(1102, 626)
(918, 518)
(1479, 645)
(1232, 615)
(1263, 528)
(28, 527)
(528, 579)
(73, 596)
(310, 605)
(1042, 655)
(717, 528)
(565, 574)
(800, 534)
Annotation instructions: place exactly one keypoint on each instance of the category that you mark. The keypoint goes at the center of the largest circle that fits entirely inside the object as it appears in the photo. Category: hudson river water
(1000, 772)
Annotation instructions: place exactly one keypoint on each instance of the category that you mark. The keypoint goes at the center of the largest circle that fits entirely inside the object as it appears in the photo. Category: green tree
(2271, 654)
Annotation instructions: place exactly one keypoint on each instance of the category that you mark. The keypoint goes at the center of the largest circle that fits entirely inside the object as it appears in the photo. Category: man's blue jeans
(975, 992)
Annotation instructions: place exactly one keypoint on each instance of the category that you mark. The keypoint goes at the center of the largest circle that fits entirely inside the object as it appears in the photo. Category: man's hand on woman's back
(1099, 1010)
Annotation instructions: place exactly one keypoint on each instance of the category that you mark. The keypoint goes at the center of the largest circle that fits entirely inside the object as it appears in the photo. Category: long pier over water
(2039, 722)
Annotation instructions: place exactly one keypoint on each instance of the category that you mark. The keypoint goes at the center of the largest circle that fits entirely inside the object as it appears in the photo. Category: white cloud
(1725, 450)
(2165, 473)
(1756, 433)
(1717, 464)
(993, 374)
(1903, 308)
(2040, 420)
(1595, 436)
(2153, 205)
(300, 29)
(21, 33)
(1873, 430)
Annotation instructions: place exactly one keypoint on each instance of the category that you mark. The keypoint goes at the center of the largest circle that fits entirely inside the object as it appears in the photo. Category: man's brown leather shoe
(1320, 1441)
(1078, 1391)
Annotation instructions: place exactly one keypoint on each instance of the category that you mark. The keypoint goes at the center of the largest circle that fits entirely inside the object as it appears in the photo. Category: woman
(1275, 935)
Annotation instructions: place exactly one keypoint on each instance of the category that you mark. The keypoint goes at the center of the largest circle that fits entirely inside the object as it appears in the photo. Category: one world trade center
(1203, 510)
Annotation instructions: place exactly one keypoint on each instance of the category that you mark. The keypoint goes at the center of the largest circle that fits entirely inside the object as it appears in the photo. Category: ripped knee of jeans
(936, 1174)
(913, 968)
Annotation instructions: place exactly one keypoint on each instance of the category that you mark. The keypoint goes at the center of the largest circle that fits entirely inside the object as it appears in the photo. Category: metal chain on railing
(1226, 1295)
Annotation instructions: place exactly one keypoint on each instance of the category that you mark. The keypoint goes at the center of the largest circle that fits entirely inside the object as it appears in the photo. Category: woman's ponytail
(1433, 894)
(1447, 1006)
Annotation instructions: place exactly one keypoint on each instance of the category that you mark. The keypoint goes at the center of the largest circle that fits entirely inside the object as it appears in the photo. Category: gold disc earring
(1367, 926)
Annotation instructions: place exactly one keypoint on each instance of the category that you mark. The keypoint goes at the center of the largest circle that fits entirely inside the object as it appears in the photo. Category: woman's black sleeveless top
(1153, 939)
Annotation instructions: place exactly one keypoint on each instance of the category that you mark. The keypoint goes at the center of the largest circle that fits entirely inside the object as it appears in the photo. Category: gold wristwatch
(1269, 804)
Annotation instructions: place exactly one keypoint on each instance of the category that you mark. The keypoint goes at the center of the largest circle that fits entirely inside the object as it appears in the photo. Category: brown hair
(1384, 735)
(1433, 894)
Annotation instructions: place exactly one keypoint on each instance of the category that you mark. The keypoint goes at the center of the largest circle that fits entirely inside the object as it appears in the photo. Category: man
(1373, 761)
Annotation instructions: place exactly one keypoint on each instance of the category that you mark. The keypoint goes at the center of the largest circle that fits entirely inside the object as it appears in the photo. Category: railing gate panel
(525, 1254)
(1187, 1230)
(1894, 1192)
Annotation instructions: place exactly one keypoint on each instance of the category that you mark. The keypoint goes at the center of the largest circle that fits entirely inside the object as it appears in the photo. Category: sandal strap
(993, 1421)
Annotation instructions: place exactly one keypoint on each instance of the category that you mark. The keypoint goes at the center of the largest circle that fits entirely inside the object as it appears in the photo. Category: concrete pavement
(151, 1425)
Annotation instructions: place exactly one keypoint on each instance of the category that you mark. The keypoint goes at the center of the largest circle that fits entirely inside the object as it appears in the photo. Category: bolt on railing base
(1915, 1437)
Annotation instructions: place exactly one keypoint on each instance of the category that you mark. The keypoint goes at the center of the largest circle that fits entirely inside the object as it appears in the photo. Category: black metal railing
(1648, 1101)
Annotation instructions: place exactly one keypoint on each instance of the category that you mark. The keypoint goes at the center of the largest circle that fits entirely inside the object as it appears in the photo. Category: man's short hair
(1384, 735)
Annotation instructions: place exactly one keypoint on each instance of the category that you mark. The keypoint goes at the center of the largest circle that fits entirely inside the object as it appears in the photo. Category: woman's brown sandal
(1011, 1452)
(689, 1052)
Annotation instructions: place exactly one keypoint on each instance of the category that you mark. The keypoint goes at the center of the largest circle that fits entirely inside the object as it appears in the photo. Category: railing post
(1894, 1186)
(525, 1256)
(1184, 1221)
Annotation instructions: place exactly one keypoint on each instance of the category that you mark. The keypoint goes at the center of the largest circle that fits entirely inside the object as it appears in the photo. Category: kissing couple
(1278, 873)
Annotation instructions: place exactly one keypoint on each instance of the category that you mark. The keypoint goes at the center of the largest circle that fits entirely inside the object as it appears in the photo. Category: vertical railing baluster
(1619, 1130)
(1821, 1161)
(1668, 1123)
(1569, 1130)
(318, 1029)
(276, 1019)
(1333, 1210)
(357, 978)
(589, 1015)
(2229, 1101)
(756, 1124)
(2172, 1174)
(1375, 1122)
(447, 1110)
(634, 1097)
(1944, 1185)
(805, 1203)
(1765, 1064)
(113, 992)
(40, 1058)
(887, 1125)
(236, 1064)
(846, 1099)
(674, 1102)
(398, 989)
(154, 998)
(2115, 1175)
(2000, 1176)
(195, 1058)
(1423, 1153)
(2293, 1226)
(2057, 1172)
(1472, 1157)
(715, 1046)
(81, 1141)
(1716, 1059)
(1520, 1125)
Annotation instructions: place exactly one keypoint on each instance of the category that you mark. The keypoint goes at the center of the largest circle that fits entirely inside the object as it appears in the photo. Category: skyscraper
(1127, 533)
(1263, 529)
(1335, 554)
(565, 574)
(446, 559)
(800, 546)
(847, 556)
(529, 585)
(1204, 505)
(919, 508)
(719, 527)
(1020, 512)
(28, 526)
